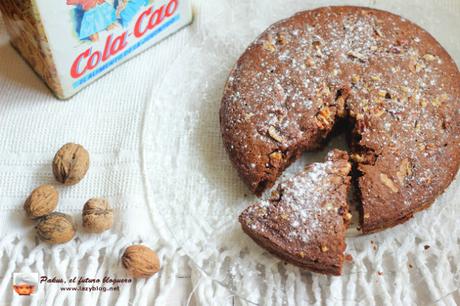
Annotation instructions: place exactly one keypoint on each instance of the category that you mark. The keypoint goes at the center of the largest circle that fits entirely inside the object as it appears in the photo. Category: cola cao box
(71, 43)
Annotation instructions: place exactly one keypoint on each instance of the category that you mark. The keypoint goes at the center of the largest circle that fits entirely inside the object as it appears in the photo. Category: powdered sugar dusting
(304, 201)
(401, 90)
(305, 207)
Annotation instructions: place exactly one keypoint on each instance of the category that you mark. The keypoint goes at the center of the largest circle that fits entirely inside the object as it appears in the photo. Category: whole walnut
(70, 164)
(140, 261)
(97, 215)
(56, 228)
(41, 202)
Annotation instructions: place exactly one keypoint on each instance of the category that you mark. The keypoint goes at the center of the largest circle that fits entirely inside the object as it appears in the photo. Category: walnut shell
(140, 261)
(41, 202)
(97, 216)
(56, 228)
(70, 164)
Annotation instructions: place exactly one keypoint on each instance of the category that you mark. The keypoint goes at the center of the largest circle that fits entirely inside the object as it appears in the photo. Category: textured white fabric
(108, 119)
(156, 154)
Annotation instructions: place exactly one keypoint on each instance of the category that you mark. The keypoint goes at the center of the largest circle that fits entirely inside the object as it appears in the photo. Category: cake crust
(391, 79)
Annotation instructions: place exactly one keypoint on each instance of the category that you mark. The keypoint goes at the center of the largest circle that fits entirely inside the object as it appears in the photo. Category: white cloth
(108, 120)
(151, 128)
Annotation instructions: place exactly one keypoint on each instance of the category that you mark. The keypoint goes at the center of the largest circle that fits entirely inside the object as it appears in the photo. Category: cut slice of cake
(305, 220)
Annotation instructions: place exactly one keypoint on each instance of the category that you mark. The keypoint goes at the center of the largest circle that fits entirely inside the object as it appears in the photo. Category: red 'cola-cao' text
(148, 20)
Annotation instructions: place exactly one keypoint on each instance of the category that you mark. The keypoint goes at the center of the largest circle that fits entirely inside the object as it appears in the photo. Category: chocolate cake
(394, 83)
(305, 220)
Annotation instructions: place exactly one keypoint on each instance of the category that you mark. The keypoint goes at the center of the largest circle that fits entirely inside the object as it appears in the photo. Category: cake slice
(305, 220)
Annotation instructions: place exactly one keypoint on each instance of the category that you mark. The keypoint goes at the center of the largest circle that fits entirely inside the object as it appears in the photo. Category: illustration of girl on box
(92, 17)
(128, 9)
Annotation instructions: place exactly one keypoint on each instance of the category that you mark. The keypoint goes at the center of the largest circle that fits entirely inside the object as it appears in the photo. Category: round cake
(389, 81)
